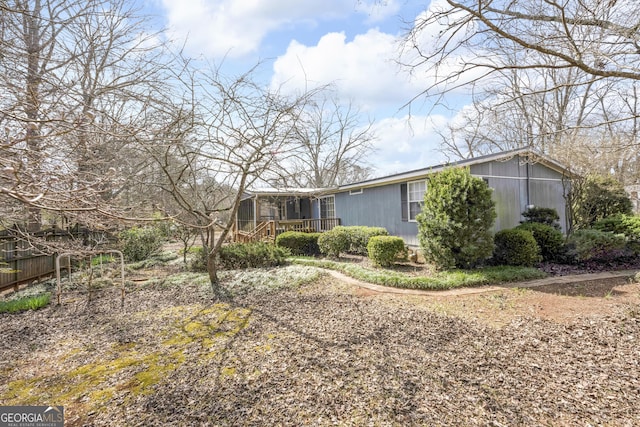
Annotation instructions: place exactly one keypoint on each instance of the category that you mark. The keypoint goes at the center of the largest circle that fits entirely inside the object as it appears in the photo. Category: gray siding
(376, 207)
(515, 185)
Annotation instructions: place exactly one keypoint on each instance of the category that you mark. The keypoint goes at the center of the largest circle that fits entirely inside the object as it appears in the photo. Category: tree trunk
(212, 269)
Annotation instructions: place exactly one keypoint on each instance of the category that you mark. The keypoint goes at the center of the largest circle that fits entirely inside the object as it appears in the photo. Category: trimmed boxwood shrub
(548, 238)
(359, 237)
(334, 242)
(516, 247)
(348, 239)
(595, 245)
(299, 243)
(385, 250)
(139, 243)
(251, 255)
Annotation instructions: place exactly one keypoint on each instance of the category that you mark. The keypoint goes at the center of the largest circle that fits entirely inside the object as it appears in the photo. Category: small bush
(334, 242)
(516, 247)
(595, 245)
(385, 250)
(251, 255)
(629, 225)
(299, 243)
(139, 243)
(548, 216)
(548, 238)
(198, 260)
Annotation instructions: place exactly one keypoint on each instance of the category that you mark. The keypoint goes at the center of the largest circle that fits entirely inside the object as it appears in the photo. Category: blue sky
(350, 43)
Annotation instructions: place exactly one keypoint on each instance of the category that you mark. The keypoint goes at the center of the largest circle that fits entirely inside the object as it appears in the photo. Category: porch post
(255, 211)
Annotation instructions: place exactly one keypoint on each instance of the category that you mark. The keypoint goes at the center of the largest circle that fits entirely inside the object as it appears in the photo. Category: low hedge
(299, 243)
(385, 250)
(595, 245)
(251, 255)
(348, 239)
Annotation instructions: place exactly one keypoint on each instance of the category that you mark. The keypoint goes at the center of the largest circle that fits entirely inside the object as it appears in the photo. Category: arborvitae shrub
(251, 255)
(385, 250)
(595, 245)
(299, 243)
(516, 247)
(139, 243)
(454, 227)
(548, 238)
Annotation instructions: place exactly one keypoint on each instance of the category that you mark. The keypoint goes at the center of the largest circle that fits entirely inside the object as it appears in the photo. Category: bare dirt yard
(331, 353)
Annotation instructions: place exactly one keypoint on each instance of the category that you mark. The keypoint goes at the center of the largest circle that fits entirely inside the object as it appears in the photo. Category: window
(415, 198)
(327, 207)
(354, 192)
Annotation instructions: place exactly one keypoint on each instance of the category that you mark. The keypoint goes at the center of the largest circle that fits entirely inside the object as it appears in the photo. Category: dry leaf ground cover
(324, 352)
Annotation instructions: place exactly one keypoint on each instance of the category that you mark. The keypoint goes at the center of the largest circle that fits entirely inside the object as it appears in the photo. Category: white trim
(520, 178)
(536, 158)
(356, 192)
(320, 199)
(409, 201)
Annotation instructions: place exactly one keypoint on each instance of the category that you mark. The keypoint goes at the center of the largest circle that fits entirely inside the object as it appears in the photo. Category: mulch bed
(320, 355)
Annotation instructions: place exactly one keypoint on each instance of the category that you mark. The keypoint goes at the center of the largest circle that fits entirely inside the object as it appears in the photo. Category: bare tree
(332, 145)
(550, 75)
(227, 134)
(77, 78)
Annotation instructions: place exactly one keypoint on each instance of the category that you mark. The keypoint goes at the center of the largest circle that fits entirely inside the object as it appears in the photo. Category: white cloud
(236, 28)
(407, 143)
(363, 69)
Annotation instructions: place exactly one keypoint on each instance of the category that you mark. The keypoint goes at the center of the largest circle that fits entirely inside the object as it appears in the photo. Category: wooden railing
(265, 230)
(307, 225)
(268, 230)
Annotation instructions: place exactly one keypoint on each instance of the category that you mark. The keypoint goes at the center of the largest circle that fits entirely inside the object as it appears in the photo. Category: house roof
(285, 191)
(415, 174)
(536, 157)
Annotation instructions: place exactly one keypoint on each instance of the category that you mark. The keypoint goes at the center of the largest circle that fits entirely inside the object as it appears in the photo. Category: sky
(352, 44)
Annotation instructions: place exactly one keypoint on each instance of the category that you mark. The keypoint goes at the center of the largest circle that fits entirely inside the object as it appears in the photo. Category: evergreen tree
(454, 227)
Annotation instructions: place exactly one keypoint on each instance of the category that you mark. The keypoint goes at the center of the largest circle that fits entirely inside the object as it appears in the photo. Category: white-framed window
(328, 207)
(354, 192)
(415, 197)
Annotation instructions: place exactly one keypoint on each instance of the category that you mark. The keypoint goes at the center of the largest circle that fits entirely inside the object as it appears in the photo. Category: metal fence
(22, 258)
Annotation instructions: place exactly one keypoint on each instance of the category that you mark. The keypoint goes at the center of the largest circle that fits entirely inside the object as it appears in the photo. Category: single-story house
(519, 178)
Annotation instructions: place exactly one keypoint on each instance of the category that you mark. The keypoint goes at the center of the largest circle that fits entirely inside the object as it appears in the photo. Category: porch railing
(307, 225)
(268, 230)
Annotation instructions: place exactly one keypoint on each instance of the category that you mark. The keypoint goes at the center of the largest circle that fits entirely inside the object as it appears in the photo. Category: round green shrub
(516, 247)
(548, 216)
(548, 238)
(299, 243)
(359, 237)
(595, 245)
(385, 250)
(139, 243)
(334, 242)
